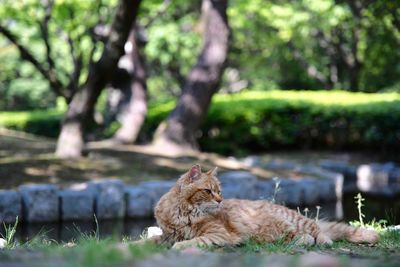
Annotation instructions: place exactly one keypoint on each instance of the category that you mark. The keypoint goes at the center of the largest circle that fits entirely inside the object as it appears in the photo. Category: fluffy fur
(193, 213)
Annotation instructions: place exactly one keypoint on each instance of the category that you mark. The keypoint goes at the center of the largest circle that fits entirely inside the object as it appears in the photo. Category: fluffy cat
(193, 213)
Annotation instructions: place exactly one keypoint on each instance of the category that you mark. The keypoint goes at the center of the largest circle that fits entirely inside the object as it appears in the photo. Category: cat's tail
(342, 231)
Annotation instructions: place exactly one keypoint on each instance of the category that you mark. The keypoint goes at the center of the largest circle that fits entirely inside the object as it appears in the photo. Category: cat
(193, 213)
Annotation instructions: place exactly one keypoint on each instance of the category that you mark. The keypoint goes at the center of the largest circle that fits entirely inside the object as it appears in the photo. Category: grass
(89, 250)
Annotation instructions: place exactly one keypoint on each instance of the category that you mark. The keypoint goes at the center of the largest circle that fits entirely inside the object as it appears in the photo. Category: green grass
(91, 251)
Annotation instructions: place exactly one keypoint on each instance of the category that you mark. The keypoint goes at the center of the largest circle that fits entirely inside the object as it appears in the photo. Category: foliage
(281, 44)
(314, 43)
(41, 122)
(257, 121)
(62, 41)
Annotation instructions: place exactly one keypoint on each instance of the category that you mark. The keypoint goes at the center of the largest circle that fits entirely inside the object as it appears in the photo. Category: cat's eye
(208, 191)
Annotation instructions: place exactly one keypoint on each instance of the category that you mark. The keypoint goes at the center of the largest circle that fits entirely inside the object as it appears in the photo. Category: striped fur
(193, 213)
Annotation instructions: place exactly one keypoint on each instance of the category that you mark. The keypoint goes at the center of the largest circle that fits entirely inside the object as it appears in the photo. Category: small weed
(359, 201)
(276, 189)
(9, 234)
(317, 215)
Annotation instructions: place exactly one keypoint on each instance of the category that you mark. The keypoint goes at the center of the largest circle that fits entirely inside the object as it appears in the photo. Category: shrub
(40, 122)
(259, 121)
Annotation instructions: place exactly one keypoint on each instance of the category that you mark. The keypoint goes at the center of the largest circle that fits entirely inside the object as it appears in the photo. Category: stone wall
(112, 198)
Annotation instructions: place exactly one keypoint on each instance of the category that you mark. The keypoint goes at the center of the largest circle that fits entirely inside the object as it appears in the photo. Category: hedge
(259, 121)
(39, 122)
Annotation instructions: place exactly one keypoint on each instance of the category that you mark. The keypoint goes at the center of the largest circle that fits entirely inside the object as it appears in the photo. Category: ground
(92, 252)
(26, 158)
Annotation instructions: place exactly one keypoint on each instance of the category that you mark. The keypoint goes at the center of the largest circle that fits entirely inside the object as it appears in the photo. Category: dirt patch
(29, 159)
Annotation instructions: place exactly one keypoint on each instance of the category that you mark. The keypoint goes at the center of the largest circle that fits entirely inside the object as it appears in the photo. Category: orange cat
(193, 213)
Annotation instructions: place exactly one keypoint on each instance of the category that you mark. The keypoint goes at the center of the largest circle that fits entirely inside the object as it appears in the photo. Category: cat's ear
(194, 173)
(213, 172)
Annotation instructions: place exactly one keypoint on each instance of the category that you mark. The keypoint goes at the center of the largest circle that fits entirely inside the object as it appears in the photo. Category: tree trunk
(71, 139)
(134, 113)
(180, 129)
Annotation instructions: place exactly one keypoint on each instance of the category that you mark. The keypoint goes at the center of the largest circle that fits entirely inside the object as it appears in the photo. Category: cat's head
(201, 190)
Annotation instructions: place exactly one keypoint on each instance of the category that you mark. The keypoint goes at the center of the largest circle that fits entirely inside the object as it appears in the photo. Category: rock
(373, 176)
(3, 243)
(279, 165)
(394, 176)
(310, 195)
(40, 202)
(238, 184)
(349, 172)
(264, 189)
(10, 206)
(139, 202)
(290, 193)
(109, 198)
(76, 204)
(252, 161)
(142, 199)
(158, 188)
(327, 190)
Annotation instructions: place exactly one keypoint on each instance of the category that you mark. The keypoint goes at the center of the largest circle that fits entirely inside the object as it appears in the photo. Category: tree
(180, 128)
(70, 142)
(134, 112)
(57, 38)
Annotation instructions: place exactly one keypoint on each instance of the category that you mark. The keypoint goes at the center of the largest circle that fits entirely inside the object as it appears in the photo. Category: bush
(46, 122)
(259, 121)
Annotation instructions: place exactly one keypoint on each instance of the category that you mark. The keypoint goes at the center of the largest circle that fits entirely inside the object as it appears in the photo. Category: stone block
(310, 194)
(109, 197)
(76, 204)
(158, 188)
(349, 172)
(10, 206)
(40, 202)
(238, 184)
(290, 193)
(264, 189)
(279, 164)
(373, 176)
(139, 202)
(327, 191)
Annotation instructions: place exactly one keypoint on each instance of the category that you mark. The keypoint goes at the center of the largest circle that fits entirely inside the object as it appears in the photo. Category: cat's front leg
(186, 244)
(207, 240)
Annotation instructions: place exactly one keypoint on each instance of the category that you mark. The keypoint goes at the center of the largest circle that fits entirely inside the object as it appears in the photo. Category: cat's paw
(323, 239)
(183, 245)
(306, 240)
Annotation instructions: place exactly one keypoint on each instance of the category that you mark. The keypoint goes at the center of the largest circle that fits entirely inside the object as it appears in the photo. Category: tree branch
(44, 29)
(48, 74)
(78, 63)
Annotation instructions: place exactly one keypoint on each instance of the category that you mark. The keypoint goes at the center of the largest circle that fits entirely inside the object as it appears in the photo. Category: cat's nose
(218, 199)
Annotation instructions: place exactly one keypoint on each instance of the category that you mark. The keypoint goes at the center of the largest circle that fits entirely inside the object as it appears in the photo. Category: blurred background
(141, 90)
